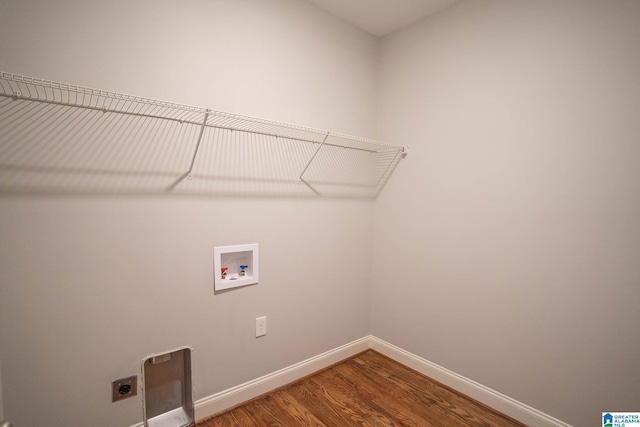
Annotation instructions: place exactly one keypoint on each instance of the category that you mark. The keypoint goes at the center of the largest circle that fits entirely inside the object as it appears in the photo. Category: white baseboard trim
(228, 398)
(498, 401)
(231, 397)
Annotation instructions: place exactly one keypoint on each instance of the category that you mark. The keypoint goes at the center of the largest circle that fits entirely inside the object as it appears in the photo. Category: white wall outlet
(261, 326)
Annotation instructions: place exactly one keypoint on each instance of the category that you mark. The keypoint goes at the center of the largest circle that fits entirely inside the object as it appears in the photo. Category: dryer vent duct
(168, 391)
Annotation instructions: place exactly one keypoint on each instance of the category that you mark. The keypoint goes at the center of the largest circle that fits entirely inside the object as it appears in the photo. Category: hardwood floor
(365, 390)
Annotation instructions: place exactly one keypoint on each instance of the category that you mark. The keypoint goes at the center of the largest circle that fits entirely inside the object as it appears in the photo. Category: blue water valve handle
(243, 267)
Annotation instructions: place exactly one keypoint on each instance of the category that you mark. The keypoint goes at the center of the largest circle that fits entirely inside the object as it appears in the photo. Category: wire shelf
(56, 137)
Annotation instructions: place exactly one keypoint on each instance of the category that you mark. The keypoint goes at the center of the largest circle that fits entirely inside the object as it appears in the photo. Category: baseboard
(231, 397)
(228, 398)
(498, 401)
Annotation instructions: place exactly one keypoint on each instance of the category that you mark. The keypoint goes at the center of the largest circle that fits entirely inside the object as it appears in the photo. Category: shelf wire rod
(277, 135)
(389, 167)
(103, 109)
(187, 174)
(118, 110)
(312, 157)
(195, 153)
(300, 129)
(16, 81)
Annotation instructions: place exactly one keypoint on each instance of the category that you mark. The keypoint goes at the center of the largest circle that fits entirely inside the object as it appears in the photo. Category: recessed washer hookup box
(235, 266)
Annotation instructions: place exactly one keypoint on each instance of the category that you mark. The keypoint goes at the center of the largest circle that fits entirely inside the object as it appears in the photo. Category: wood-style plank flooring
(365, 390)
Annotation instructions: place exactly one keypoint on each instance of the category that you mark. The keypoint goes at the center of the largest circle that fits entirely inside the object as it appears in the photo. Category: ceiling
(381, 17)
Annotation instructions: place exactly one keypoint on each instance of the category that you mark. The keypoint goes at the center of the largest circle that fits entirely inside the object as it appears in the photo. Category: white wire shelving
(63, 138)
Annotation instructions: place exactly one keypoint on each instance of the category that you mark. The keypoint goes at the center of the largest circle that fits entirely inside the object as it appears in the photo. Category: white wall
(515, 214)
(506, 246)
(91, 285)
(1, 399)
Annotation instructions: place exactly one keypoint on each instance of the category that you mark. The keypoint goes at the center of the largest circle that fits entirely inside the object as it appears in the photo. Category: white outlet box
(261, 326)
(235, 266)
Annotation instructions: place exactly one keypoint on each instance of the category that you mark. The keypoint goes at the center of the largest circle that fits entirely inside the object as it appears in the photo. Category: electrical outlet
(261, 326)
(124, 388)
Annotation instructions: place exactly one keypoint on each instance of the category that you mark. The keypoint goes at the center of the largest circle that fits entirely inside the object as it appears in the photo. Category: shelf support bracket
(187, 174)
(312, 157)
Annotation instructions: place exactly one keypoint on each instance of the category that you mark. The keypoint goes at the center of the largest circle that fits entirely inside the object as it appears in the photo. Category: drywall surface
(1, 399)
(93, 284)
(506, 246)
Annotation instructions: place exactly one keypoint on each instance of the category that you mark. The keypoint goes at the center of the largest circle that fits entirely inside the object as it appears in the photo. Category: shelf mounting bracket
(312, 157)
(187, 174)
